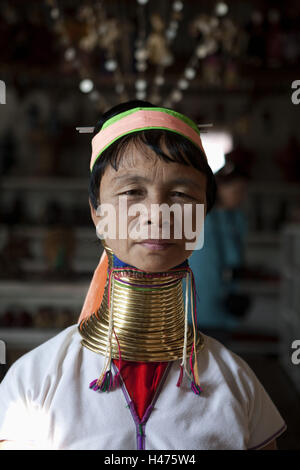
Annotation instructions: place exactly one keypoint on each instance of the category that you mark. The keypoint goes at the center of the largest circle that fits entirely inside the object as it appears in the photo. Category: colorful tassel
(93, 385)
(196, 388)
(179, 382)
(105, 385)
(116, 382)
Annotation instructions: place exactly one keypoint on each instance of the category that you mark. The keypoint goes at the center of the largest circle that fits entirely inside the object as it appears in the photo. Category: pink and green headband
(139, 119)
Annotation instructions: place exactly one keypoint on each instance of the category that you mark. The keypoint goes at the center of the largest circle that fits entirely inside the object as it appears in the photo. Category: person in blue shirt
(222, 254)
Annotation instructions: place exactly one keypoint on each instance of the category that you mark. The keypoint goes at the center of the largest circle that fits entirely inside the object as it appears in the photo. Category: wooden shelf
(81, 184)
(44, 184)
(17, 293)
(263, 238)
(85, 233)
(27, 337)
(269, 288)
(39, 231)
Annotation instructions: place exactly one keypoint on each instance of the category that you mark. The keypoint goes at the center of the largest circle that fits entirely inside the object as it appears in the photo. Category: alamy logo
(132, 222)
(296, 354)
(2, 352)
(2, 92)
(295, 95)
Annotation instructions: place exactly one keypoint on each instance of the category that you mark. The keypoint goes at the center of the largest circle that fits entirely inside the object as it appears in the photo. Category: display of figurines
(44, 317)
(8, 152)
(231, 76)
(59, 243)
(50, 317)
(59, 249)
(211, 71)
(14, 251)
(256, 48)
(64, 318)
(157, 48)
(288, 160)
(16, 318)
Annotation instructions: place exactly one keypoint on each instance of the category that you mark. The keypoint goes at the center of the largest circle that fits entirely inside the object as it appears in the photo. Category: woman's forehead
(154, 171)
(139, 156)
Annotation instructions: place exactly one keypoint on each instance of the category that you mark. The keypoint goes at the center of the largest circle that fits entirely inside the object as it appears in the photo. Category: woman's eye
(132, 192)
(181, 195)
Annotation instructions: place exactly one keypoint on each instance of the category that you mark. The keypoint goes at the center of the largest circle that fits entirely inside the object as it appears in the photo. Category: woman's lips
(156, 244)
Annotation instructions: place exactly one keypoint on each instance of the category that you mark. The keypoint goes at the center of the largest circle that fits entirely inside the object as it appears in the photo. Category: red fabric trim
(141, 381)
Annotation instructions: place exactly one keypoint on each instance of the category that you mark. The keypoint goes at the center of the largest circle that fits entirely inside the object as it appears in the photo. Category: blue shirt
(224, 236)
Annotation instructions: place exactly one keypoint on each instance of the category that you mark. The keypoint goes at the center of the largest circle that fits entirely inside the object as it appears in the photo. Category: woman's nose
(158, 211)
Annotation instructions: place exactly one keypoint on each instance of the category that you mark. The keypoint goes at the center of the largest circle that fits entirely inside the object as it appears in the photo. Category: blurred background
(231, 64)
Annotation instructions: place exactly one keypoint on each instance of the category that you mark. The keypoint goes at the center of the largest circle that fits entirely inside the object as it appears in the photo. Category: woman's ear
(94, 216)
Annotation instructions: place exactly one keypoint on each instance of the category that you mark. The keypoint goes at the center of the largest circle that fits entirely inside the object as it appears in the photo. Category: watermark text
(162, 221)
(295, 358)
(296, 94)
(2, 352)
(2, 92)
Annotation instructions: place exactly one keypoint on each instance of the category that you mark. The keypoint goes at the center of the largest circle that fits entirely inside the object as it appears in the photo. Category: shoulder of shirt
(228, 362)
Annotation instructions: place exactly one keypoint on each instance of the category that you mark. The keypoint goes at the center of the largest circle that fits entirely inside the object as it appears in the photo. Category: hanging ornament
(94, 95)
(169, 33)
(119, 88)
(86, 85)
(159, 80)
(111, 65)
(141, 66)
(141, 95)
(54, 13)
(221, 9)
(88, 42)
(70, 54)
(176, 96)
(190, 73)
(157, 48)
(141, 53)
(183, 84)
(177, 5)
(141, 85)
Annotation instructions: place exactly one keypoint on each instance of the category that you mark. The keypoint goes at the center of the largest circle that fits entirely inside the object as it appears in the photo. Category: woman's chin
(156, 261)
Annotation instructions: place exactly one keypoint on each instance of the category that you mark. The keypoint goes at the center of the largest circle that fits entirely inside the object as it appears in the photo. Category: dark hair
(180, 148)
(231, 172)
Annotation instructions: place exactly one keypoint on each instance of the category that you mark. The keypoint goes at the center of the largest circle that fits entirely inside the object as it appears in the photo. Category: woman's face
(232, 195)
(150, 182)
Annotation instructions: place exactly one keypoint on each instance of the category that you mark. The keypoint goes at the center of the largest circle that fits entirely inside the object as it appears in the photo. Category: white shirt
(45, 401)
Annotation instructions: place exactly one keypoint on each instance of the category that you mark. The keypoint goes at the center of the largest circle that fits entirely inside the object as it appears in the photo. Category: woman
(216, 265)
(167, 386)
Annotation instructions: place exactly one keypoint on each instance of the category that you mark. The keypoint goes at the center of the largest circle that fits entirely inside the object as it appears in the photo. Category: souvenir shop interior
(230, 66)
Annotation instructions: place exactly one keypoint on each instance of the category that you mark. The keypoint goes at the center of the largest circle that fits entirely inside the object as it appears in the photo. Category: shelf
(44, 184)
(18, 293)
(271, 288)
(247, 347)
(264, 238)
(38, 231)
(81, 184)
(86, 233)
(79, 265)
(27, 337)
(291, 273)
(274, 187)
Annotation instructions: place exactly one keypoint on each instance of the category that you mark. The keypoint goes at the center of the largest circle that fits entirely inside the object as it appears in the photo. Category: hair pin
(90, 130)
(205, 125)
(85, 130)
